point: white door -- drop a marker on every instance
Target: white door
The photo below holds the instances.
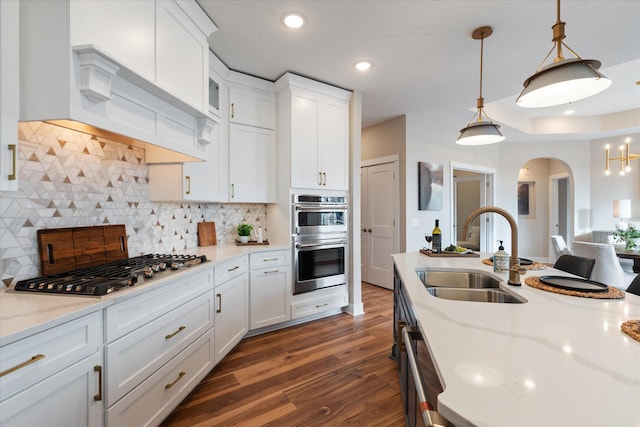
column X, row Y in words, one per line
column 364, row 235
column 379, row 218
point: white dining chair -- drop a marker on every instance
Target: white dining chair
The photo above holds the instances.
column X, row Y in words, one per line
column 559, row 247
column 607, row 268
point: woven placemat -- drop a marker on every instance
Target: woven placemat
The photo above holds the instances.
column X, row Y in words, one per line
column 535, row 266
column 631, row 328
column 612, row 293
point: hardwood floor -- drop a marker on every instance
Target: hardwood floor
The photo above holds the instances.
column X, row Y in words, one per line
column 331, row 372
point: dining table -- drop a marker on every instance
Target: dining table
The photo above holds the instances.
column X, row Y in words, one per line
column 632, row 254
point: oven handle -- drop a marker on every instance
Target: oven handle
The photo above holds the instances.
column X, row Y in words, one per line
column 323, row 208
column 318, row 245
column 430, row 417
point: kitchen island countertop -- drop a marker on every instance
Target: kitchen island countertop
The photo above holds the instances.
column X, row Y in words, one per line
column 23, row 313
column 555, row 360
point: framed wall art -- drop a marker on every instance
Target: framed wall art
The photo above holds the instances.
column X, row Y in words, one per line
column 527, row 200
column 430, row 186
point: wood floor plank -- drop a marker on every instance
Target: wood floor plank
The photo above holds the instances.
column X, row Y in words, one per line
column 330, row 372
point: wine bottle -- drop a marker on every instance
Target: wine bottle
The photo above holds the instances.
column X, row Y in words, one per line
column 437, row 238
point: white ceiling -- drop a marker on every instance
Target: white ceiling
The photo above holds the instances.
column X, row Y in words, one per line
column 425, row 61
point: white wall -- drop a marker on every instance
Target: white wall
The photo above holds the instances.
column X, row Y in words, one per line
column 532, row 230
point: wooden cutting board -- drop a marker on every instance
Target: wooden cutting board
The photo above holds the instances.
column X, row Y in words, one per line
column 207, row 234
column 66, row 249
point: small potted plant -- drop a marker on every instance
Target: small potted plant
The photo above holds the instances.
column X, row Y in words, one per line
column 244, row 231
column 629, row 234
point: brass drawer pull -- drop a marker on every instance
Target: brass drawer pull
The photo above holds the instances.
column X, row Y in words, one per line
column 234, row 268
column 22, row 365
column 180, row 375
column 269, row 259
column 272, row 272
column 13, row 148
column 219, row 296
column 98, row 369
column 180, row 329
column 188, row 184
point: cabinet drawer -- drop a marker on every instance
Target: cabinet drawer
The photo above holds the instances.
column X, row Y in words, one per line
column 139, row 354
column 269, row 259
column 154, row 399
column 229, row 269
column 129, row 315
column 321, row 304
column 65, row 399
column 60, row 346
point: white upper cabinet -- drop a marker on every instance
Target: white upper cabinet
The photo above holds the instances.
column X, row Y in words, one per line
column 313, row 128
column 133, row 68
column 252, row 107
column 191, row 181
column 252, row 158
column 9, row 94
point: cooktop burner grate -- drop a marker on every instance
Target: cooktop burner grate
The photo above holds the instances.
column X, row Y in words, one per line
column 108, row 278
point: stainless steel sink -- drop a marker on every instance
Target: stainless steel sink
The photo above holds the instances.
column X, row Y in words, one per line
column 476, row 295
column 457, row 279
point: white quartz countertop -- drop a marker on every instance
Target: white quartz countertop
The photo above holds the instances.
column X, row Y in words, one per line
column 555, row 360
column 23, row 313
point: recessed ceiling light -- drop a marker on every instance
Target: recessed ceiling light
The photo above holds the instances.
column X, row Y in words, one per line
column 569, row 112
column 293, row 20
column 362, row 65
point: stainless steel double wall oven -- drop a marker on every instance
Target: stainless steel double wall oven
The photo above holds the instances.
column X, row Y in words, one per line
column 319, row 241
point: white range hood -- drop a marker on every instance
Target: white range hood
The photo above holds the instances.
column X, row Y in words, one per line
column 68, row 77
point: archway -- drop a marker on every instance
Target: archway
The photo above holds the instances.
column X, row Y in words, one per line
column 545, row 205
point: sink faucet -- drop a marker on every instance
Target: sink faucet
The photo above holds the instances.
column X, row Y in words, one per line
column 514, row 266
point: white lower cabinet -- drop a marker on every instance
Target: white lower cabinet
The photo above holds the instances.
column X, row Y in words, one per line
column 71, row 397
column 314, row 303
column 142, row 352
column 270, row 288
column 58, row 368
column 159, row 346
column 231, row 305
column 155, row 398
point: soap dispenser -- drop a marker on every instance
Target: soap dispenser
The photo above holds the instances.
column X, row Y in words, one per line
column 500, row 259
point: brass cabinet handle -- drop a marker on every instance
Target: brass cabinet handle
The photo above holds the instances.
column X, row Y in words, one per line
column 322, row 305
column 188, row 185
column 180, row 329
column 98, row 370
column 269, row 259
column 180, row 375
column 22, row 365
column 272, row 271
column 233, row 110
column 234, row 268
column 319, row 178
column 324, row 178
column 233, row 191
column 13, row 149
column 219, row 296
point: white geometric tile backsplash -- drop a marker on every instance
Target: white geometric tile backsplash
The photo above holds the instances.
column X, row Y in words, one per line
column 72, row 179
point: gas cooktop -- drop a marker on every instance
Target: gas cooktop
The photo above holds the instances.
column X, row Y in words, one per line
column 108, row 278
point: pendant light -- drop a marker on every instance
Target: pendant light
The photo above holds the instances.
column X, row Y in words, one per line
column 482, row 131
column 564, row 80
